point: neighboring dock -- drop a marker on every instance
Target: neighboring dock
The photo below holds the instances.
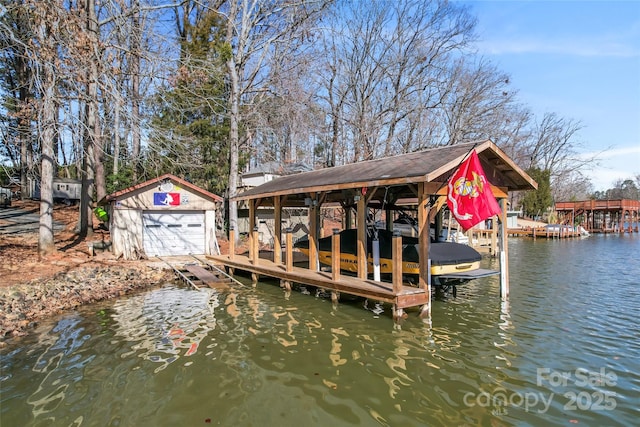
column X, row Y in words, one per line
column 602, row 216
column 546, row 232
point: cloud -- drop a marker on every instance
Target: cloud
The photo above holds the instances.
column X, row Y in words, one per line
column 614, row 152
column 580, row 48
column 614, row 164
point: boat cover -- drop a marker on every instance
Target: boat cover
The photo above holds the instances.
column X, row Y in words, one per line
column 440, row 253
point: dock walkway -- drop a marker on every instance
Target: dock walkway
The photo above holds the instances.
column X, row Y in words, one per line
column 200, row 273
column 542, row 232
column 207, row 277
column 408, row 296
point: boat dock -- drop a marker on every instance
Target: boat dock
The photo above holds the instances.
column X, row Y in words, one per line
column 545, row 232
column 404, row 296
column 360, row 191
column 602, row 216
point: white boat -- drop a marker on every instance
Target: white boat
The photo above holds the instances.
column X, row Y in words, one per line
column 453, row 236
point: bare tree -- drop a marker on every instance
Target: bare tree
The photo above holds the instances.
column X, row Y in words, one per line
column 253, row 27
column 573, row 186
column 17, row 78
column 552, row 141
column 135, row 58
column 47, row 24
column 478, row 101
column 385, row 72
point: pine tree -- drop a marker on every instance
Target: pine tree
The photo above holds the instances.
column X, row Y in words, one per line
column 537, row 202
column 190, row 125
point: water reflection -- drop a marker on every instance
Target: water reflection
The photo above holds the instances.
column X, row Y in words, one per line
column 165, row 325
column 62, row 357
column 177, row 356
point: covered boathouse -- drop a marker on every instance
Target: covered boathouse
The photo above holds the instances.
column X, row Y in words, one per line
column 418, row 179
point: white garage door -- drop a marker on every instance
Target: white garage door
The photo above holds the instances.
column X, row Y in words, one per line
column 173, row 233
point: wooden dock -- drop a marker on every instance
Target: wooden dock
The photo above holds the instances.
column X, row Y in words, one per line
column 406, row 297
column 201, row 274
column 209, row 278
column 602, row 216
column 542, row 232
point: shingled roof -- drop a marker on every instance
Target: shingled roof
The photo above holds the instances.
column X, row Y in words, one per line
column 156, row 181
column 433, row 165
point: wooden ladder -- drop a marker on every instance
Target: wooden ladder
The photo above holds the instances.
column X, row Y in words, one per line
column 201, row 277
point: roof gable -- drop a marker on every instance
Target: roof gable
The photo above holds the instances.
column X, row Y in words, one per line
column 433, row 165
column 157, row 181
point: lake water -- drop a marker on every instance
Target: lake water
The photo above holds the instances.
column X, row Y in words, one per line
column 565, row 350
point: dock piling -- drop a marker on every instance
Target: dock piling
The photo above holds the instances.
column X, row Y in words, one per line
column 335, row 255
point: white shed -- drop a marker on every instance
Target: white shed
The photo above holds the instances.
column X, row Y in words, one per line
column 164, row 216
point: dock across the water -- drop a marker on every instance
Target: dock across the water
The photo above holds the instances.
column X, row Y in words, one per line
column 557, row 232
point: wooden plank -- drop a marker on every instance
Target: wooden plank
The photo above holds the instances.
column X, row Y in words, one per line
column 207, row 277
column 408, row 296
column 412, row 300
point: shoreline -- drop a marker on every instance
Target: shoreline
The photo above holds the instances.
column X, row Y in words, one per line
column 23, row 305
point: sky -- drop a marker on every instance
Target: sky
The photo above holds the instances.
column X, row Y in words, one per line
column 579, row 59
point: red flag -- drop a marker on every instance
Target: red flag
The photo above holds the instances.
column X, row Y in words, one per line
column 469, row 197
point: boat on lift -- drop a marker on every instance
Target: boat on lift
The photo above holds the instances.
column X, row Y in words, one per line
column 452, row 263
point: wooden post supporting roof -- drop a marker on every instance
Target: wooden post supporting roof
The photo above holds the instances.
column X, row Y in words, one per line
column 277, row 232
column 313, row 232
column 362, row 238
column 504, row 273
column 253, row 244
column 289, row 251
column 424, row 280
column 396, row 259
column 423, row 236
column 335, row 255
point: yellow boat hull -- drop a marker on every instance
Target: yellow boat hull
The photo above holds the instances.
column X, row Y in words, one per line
column 349, row 262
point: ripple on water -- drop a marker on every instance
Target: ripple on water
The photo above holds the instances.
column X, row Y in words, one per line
column 176, row 356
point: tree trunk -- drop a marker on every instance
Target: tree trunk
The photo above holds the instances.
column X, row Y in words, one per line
column 25, row 146
column 234, row 137
column 85, row 192
column 135, row 89
column 233, row 147
column 116, row 131
column 45, row 237
column 93, row 115
column 47, row 116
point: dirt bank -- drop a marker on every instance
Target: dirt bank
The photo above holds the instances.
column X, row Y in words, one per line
column 33, row 287
column 23, row 305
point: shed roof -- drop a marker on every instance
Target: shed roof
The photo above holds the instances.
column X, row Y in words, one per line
column 433, row 165
column 156, row 181
column 277, row 168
